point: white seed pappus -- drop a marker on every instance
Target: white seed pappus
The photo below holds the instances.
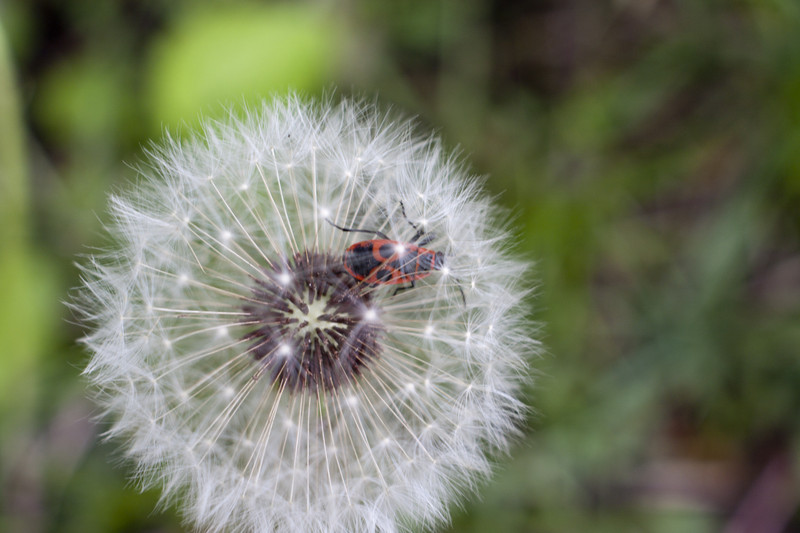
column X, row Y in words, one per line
column 251, row 378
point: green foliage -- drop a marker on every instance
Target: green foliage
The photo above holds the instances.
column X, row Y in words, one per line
column 83, row 100
column 27, row 310
column 224, row 55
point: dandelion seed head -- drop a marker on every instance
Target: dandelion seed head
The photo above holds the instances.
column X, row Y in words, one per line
column 253, row 378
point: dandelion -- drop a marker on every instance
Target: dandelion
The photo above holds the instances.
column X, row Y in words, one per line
column 260, row 383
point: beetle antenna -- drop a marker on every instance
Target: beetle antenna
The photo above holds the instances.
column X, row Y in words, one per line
column 420, row 232
column 358, row 230
column 403, row 209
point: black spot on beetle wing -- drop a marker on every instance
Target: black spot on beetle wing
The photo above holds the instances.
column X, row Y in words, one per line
column 387, row 250
column 360, row 260
column 383, row 275
column 407, row 264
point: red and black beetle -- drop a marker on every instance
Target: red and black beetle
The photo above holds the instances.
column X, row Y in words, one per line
column 385, row 261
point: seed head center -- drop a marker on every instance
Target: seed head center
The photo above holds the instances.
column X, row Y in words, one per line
column 309, row 326
column 314, row 318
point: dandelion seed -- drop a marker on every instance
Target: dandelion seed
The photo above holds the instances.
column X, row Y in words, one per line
column 256, row 380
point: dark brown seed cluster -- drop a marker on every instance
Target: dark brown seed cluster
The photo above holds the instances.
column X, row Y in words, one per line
column 315, row 327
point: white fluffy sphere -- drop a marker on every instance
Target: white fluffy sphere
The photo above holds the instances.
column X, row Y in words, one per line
column 254, row 376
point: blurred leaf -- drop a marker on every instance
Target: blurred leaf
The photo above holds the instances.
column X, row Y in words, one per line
column 92, row 503
column 27, row 318
column 219, row 56
column 26, row 278
column 83, row 101
column 13, row 191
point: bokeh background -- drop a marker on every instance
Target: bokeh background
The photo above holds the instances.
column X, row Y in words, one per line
column 650, row 153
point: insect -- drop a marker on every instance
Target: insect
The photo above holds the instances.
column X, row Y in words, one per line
column 385, row 261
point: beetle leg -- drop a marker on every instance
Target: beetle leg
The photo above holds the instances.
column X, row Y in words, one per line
column 404, row 288
column 416, row 236
column 463, row 298
column 426, row 240
column 458, row 286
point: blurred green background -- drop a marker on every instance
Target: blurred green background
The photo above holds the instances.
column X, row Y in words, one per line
column 650, row 150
